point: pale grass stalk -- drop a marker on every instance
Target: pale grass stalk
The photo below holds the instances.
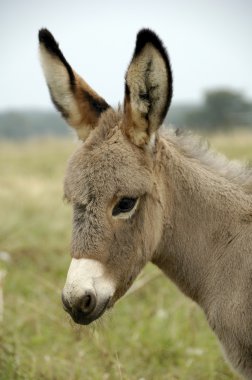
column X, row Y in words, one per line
column 2, row 275
column 139, row 284
column 118, row 365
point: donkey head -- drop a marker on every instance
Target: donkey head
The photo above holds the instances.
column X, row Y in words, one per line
column 112, row 179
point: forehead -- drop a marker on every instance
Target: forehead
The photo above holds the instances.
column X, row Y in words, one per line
column 106, row 167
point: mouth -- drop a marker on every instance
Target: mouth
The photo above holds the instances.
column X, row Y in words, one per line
column 82, row 319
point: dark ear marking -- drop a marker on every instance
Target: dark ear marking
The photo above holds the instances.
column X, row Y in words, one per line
column 144, row 96
column 127, row 90
column 98, row 105
column 145, row 36
column 47, row 39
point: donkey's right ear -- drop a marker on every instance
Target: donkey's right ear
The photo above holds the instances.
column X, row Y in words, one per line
column 80, row 105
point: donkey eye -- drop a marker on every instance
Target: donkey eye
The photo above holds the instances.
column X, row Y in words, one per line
column 124, row 205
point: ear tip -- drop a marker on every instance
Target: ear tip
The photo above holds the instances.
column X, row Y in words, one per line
column 46, row 38
column 148, row 36
column 146, row 33
column 145, row 36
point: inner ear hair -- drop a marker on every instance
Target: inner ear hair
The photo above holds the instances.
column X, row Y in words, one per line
column 148, row 88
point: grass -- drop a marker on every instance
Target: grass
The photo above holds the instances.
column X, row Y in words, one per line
column 153, row 333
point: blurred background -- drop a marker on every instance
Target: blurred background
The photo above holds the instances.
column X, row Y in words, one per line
column 155, row 332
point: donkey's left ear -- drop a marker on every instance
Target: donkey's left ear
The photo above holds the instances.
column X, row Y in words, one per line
column 78, row 103
column 148, row 88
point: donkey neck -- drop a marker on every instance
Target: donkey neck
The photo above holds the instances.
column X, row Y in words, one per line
column 203, row 213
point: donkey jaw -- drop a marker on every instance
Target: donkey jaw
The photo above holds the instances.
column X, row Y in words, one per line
column 88, row 291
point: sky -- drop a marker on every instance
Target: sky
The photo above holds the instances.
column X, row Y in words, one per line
column 209, row 44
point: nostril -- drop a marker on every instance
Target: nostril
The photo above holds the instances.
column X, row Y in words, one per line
column 82, row 306
column 88, row 302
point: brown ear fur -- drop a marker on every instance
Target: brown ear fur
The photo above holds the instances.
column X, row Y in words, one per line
column 148, row 88
column 80, row 105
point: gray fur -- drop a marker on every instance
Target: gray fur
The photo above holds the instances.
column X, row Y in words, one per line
column 193, row 219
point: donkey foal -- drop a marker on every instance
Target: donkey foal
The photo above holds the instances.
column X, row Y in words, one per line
column 139, row 195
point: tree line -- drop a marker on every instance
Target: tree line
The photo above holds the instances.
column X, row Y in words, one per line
column 220, row 109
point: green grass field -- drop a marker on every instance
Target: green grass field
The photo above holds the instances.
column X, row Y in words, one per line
column 153, row 333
